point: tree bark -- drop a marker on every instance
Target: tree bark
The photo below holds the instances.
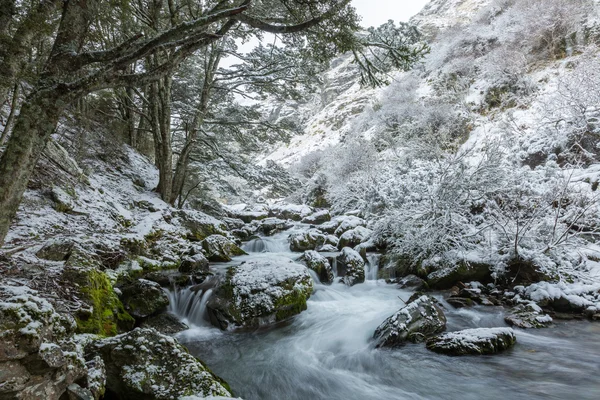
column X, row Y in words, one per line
column 37, row 120
column 11, row 115
column 160, row 111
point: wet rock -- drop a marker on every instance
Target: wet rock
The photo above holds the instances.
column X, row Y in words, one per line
column 193, row 264
column 144, row 298
column 460, row 302
column 352, row 266
column 412, row 282
column 317, row 218
column 200, row 225
column 527, row 316
column 310, row 240
column 473, row 341
column 58, row 249
column 355, row 237
column 448, row 276
column 270, row 226
column 320, row 265
column 146, row 365
column 166, row 324
column 415, row 322
column 76, row 392
column 233, row 223
column 219, row 249
column 259, row 293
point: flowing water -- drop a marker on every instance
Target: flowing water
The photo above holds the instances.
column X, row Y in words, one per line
column 326, row 352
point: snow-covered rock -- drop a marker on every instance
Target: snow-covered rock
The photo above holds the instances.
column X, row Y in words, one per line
column 319, row 264
column 473, row 341
column 352, row 266
column 415, row 322
column 295, row 212
column 348, row 222
column 144, row 364
column 270, row 226
column 527, row 316
column 144, row 298
column 317, row 218
column 219, row 248
column 260, row 292
column 355, row 237
column 312, row 239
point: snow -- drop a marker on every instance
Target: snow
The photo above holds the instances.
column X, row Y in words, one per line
column 473, row 337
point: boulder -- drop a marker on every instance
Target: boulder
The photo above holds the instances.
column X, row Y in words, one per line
column 412, row 282
column 295, row 212
column 310, row 240
column 63, row 201
column 448, row 276
column 193, row 264
column 102, row 312
column 352, row 266
column 38, row 357
column 144, row 298
column 58, row 155
column 415, row 322
column 317, row 218
column 146, row 365
column 347, row 223
column 200, row 225
column 320, row 265
column 220, row 249
column 259, row 293
column 327, row 248
column 331, row 226
column 355, row 237
column 58, row 249
column 473, row 341
column 269, row 226
column 527, row 316
column 165, row 323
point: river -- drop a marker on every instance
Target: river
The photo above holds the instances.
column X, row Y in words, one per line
column 326, row 352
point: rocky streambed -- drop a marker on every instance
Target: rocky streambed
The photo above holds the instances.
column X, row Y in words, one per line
column 334, row 348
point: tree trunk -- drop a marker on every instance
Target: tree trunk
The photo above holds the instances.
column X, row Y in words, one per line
column 11, row 115
column 160, row 111
column 37, row 120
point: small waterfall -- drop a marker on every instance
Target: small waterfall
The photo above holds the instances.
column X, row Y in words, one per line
column 314, row 276
column 267, row 245
column 372, row 267
column 334, row 267
column 189, row 304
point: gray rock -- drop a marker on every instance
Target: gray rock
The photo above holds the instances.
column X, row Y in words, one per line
column 415, row 322
column 259, row 293
column 317, row 218
column 448, row 276
column 528, row 316
column 310, row 240
column 144, row 298
column 473, row 341
column 146, row 365
column 355, row 237
column 58, row 155
column 352, row 266
column 269, row 226
column 56, row 249
column 320, row 265
column 166, row 324
column 193, row 264
column 220, row 249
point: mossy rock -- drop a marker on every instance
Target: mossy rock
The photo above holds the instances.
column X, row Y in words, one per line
column 146, row 365
column 320, row 265
column 473, row 341
column 144, row 298
column 106, row 315
column 220, row 249
column 260, row 293
column 448, row 276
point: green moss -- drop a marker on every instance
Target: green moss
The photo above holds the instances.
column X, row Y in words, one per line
column 290, row 305
column 108, row 315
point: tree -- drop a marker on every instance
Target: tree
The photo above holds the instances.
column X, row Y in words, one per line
column 79, row 63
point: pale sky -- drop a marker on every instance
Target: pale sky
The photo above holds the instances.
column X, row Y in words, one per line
column 376, row 12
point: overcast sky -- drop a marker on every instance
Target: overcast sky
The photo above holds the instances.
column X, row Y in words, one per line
column 376, row 12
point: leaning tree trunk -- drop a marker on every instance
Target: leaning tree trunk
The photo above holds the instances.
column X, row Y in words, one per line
column 160, row 111
column 37, row 120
